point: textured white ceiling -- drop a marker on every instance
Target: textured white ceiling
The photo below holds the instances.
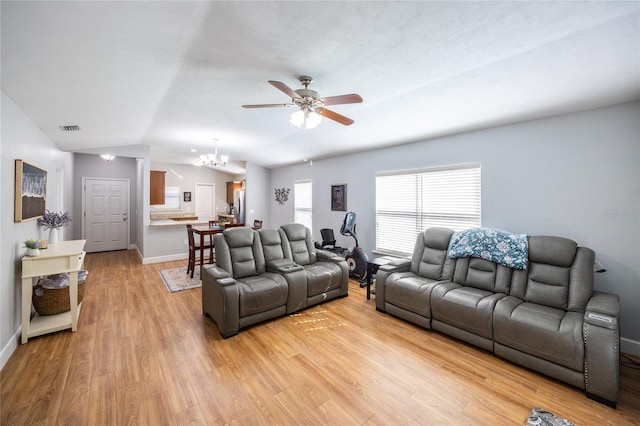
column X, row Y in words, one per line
column 172, row 75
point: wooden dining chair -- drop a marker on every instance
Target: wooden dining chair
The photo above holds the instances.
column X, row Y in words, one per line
column 194, row 250
column 233, row 225
column 213, row 223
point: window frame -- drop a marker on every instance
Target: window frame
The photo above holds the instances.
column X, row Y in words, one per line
column 303, row 209
column 454, row 206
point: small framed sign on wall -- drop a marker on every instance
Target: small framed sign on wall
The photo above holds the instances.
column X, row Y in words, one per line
column 187, row 197
column 339, row 197
column 31, row 191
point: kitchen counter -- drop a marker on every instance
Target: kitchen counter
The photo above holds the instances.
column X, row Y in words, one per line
column 170, row 223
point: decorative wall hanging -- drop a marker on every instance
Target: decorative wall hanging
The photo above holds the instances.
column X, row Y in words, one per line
column 282, row 195
column 187, row 197
column 31, row 191
column 339, row 197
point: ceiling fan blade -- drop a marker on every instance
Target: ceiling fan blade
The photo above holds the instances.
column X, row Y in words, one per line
column 267, row 105
column 285, row 89
column 331, row 115
column 342, row 99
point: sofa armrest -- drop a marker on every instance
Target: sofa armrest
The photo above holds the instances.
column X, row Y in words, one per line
column 327, row 255
column 215, row 272
column 220, row 299
column 602, row 348
column 603, row 310
column 398, row 265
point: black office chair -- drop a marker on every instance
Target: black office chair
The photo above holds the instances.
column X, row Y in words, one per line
column 329, row 241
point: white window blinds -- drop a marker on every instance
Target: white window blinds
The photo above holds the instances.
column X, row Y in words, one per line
column 410, row 202
column 302, row 201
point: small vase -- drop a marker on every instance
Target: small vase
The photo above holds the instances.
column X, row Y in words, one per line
column 53, row 235
column 33, row 252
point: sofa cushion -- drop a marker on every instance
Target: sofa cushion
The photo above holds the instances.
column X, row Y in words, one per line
column 541, row 331
column 245, row 252
column 300, row 243
column 322, row 277
column 482, row 274
column 559, row 275
column 429, row 258
column 411, row 292
column 271, row 244
column 552, row 250
column 548, row 285
column 260, row 293
column 466, row 308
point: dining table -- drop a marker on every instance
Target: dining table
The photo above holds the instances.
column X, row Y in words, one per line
column 203, row 232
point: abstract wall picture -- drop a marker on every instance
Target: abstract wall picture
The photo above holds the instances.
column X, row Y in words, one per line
column 339, row 197
column 282, row 195
column 31, row 191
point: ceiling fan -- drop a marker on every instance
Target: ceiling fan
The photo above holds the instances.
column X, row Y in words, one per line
column 312, row 107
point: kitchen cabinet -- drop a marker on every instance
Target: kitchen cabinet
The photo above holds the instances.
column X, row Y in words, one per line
column 231, row 188
column 157, row 187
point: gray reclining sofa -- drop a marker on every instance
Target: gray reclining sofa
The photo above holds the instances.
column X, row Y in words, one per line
column 545, row 317
column 261, row 275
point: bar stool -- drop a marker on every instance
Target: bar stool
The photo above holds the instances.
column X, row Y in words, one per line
column 194, row 250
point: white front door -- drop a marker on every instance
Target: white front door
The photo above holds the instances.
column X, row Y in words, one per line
column 205, row 200
column 106, row 214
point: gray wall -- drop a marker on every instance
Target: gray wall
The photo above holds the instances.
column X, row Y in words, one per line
column 258, row 190
column 575, row 176
column 22, row 139
column 93, row 166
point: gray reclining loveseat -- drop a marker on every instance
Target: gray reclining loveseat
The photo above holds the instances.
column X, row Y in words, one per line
column 545, row 317
column 256, row 277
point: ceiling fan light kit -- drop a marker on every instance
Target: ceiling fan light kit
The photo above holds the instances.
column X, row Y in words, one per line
column 312, row 107
column 305, row 119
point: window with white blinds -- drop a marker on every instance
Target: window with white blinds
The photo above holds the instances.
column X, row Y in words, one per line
column 171, row 198
column 410, row 202
column 302, row 203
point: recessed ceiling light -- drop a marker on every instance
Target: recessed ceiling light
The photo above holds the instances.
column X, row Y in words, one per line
column 193, row 150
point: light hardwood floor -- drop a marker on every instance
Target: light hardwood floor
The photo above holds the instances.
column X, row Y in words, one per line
column 144, row 356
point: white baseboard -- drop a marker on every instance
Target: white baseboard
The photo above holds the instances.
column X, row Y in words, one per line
column 158, row 259
column 10, row 347
column 629, row 346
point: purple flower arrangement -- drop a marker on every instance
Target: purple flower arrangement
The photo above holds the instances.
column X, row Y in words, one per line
column 55, row 220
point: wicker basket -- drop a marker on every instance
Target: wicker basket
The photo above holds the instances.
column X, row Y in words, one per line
column 48, row 301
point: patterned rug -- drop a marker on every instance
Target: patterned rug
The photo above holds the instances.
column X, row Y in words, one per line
column 540, row 417
column 176, row 279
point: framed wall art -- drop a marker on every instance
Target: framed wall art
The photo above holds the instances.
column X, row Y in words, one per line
column 31, row 191
column 187, row 197
column 339, row 197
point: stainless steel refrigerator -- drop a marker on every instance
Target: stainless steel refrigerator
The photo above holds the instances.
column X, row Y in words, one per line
column 239, row 206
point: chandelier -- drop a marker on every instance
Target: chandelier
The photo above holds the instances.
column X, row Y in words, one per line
column 212, row 160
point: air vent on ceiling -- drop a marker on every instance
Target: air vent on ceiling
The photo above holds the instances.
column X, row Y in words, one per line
column 72, row 128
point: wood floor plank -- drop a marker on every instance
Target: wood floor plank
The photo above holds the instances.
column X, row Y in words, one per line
column 145, row 356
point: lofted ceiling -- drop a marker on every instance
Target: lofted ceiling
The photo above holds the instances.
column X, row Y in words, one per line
column 173, row 75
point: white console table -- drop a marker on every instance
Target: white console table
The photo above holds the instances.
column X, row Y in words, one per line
column 64, row 256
